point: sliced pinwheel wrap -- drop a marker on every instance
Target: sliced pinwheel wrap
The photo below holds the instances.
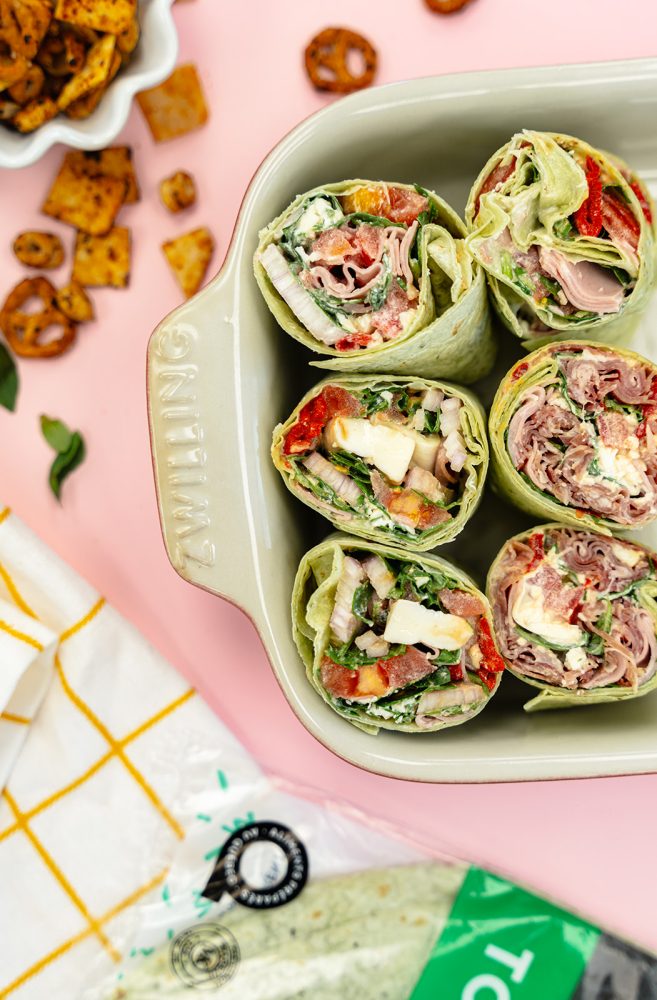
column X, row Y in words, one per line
column 375, row 277
column 392, row 640
column 573, row 432
column 395, row 460
column 565, row 239
column 575, row 615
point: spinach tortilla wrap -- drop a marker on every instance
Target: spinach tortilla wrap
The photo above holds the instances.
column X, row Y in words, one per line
column 390, row 459
column 576, row 615
column 567, row 246
column 573, row 432
column 391, row 640
column 375, row 277
column 364, row 936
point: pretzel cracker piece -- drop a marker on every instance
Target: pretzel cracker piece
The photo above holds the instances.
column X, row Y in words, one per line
column 29, row 334
column 103, row 261
column 329, row 60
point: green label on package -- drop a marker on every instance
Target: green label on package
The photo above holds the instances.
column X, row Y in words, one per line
column 502, row 943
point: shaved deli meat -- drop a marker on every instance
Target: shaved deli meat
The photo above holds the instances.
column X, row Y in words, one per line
column 580, row 436
column 368, row 453
column 409, row 644
column 577, row 621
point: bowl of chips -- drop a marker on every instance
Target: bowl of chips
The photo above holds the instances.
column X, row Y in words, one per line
column 69, row 70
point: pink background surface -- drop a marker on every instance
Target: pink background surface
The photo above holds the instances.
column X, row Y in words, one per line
column 588, row 843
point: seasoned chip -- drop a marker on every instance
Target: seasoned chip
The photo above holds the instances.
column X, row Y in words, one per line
column 177, row 106
column 62, row 53
column 7, row 109
column 29, row 88
column 35, row 114
column 189, row 257
column 23, row 24
column 29, row 334
column 74, row 302
column 93, row 74
column 115, row 161
column 88, row 203
column 178, row 191
column 84, row 106
column 35, row 249
column 128, row 40
column 113, row 16
column 103, row 260
column 12, row 67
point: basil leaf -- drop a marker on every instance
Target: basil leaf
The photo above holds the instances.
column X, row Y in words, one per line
column 70, row 449
column 360, row 601
column 8, row 379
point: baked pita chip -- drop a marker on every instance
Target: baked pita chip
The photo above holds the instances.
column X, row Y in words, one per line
column 112, row 16
column 35, row 114
column 91, row 204
column 12, row 68
column 102, row 261
column 23, row 25
column 93, row 74
column 115, row 161
column 84, row 106
column 176, row 106
column 189, row 257
column 29, row 88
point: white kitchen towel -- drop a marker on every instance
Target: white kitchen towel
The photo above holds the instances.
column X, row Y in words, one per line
column 104, row 754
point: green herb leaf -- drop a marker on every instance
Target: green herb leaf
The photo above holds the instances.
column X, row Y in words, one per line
column 552, row 286
column 564, row 229
column 431, row 421
column 451, row 656
column 70, row 449
column 350, row 656
column 596, row 642
column 360, row 601
column 8, row 379
column 373, row 401
column 539, row 640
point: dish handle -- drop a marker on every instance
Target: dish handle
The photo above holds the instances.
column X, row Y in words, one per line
column 191, row 408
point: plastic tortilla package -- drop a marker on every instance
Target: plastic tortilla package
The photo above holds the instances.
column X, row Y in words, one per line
column 375, row 277
column 576, row 615
column 565, row 234
column 394, row 460
column 573, row 436
column 391, row 640
column 278, row 896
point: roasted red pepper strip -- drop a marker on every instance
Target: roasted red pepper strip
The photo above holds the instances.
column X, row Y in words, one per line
column 308, row 427
column 492, row 662
column 535, row 542
column 649, row 410
column 455, row 672
column 352, row 341
column 588, row 217
column 488, row 677
column 643, row 201
column 519, row 371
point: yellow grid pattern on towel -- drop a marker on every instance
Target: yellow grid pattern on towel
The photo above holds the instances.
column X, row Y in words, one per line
column 116, row 750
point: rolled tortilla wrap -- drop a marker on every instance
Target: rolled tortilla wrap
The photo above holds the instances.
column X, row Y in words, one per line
column 391, row 640
column 576, row 615
column 563, row 238
column 375, row 277
column 573, row 431
column 395, row 460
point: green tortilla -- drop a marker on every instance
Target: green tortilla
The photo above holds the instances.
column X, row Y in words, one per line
column 449, row 337
column 313, row 598
column 535, row 204
column 473, row 430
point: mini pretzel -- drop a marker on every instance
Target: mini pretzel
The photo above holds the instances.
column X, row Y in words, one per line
column 327, row 60
column 24, row 331
column 446, row 6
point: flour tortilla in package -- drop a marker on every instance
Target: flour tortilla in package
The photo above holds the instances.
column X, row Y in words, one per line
column 565, row 233
column 395, row 460
column 278, row 896
column 375, row 277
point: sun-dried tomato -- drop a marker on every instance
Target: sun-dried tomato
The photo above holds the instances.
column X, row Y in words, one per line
column 643, row 201
column 588, row 217
column 519, row 371
column 455, row 672
column 492, row 662
column 649, row 410
column 619, row 220
column 304, row 434
column 535, row 542
column 352, row 341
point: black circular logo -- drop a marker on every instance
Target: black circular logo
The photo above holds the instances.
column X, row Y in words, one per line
column 205, row 956
column 227, row 878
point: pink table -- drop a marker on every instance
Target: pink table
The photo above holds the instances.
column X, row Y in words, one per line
column 588, row 843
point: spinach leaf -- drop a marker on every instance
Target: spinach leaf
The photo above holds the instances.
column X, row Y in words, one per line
column 360, row 601
column 596, row 642
column 318, row 487
column 431, row 421
column 378, row 295
column 552, row 286
column 539, row 640
column 358, row 469
column 70, row 449
column 622, row 275
column 451, row 656
column 424, row 584
column 373, row 401
column 625, row 408
column 438, row 679
column 8, row 379
column 515, row 273
column 372, row 220
column 350, row 656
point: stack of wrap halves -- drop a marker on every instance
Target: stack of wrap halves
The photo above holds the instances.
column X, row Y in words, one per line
column 390, row 289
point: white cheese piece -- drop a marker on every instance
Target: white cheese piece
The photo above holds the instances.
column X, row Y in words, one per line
column 320, row 214
column 576, row 659
column 384, row 446
column 628, row 556
column 621, row 467
column 529, row 612
column 410, row 622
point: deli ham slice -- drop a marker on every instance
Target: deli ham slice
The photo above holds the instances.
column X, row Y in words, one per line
column 586, row 285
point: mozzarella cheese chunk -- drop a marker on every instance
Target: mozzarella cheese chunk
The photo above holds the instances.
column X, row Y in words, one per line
column 621, row 467
column 626, row 555
column 381, row 445
column 410, row 622
column 425, row 446
column 530, row 613
column 576, row 659
column 320, row 214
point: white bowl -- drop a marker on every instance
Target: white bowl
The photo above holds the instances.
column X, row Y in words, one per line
column 152, row 62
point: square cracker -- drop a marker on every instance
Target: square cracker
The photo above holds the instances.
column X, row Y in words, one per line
column 91, row 204
column 101, row 261
column 112, row 16
column 176, row 106
column 189, row 257
column 115, row 161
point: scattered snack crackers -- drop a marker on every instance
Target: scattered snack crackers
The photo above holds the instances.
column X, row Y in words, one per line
column 189, row 257
column 330, row 57
column 42, row 250
column 176, row 106
column 178, row 191
column 61, row 57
